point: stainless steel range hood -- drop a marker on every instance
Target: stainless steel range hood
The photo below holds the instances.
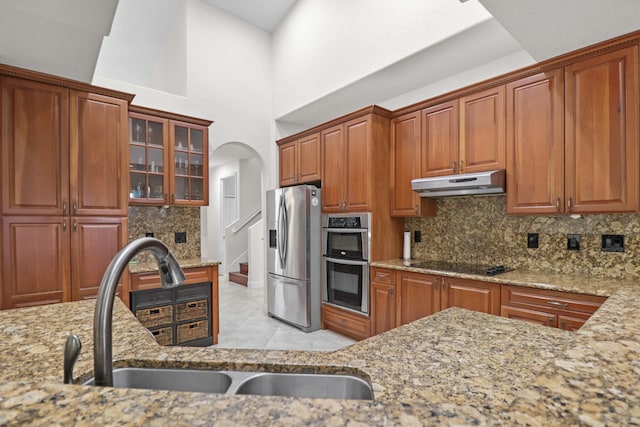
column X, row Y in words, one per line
column 469, row 184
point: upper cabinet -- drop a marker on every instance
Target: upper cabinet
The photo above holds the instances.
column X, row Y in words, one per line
column 168, row 158
column 464, row 135
column 300, row 160
column 405, row 166
column 482, row 131
column 573, row 137
column 353, row 153
column 601, row 133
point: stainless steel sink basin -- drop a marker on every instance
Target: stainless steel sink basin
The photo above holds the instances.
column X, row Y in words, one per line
column 238, row 382
column 195, row 380
column 306, row 385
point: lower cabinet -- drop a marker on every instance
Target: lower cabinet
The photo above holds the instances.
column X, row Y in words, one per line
column 345, row 322
column 186, row 315
column 399, row 297
column 562, row 310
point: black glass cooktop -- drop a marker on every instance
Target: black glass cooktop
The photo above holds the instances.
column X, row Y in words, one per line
column 459, row 267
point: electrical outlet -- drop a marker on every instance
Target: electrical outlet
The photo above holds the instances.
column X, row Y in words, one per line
column 181, row 237
column 148, row 234
column 417, row 236
column 532, row 240
column 612, row 243
column 573, row 242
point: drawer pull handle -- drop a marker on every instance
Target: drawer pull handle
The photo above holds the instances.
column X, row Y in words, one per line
column 192, row 305
column 155, row 311
column 557, row 303
column 155, row 333
column 550, row 321
column 381, row 275
column 193, row 326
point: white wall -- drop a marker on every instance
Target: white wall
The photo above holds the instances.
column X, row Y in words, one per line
column 249, row 187
column 211, row 220
column 322, row 46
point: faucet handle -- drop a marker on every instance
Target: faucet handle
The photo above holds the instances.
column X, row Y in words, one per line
column 71, row 352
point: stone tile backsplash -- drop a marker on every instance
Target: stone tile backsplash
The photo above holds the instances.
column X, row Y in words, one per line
column 478, row 230
column 164, row 223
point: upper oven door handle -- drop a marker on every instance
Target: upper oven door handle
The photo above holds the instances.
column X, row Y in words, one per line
column 345, row 261
column 345, row 230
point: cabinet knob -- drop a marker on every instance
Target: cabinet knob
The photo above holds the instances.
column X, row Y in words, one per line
column 64, row 225
column 549, row 321
column 173, row 197
column 444, row 285
column 453, row 166
column 461, row 165
column 558, row 204
column 64, row 207
column 391, row 294
column 75, row 225
column 569, row 202
column 75, row 207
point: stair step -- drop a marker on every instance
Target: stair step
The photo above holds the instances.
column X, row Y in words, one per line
column 244, row 267
column 239, row 278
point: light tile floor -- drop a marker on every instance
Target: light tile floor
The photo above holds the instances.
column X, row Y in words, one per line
column 245, row 324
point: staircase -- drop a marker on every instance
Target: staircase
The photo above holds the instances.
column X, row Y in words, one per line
column 240, row 277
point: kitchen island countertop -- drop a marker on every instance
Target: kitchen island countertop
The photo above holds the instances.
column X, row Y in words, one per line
column 453, row 368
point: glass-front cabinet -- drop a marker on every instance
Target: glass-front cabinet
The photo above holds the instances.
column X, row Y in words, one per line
column 168, row 162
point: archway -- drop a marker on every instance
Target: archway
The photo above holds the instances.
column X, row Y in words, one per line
column 236, row 187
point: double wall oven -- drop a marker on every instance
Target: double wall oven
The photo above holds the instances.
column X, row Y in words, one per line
column 346, row 243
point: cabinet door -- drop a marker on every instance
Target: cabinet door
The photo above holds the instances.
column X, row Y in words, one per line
column 358, row 164
column 189, row 164
column 333, row 169
column 531, row 316
column 383, row 304
column 601, row 133
column 535, row 144
column 35, row 148
column 94, row 243
column 148, row 160
column 482, row 131
column 440, row 139
column 35, row 261
column 419, row 296
column 405, row 164
column 288, row 156
column 309, row 159
column 471, row 294
column 99, row 159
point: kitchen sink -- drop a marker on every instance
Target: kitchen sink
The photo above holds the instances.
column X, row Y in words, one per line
column 306, row 385
column 195, row 380
column 239, row 382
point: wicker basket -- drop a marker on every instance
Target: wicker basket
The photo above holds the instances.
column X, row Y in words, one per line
column 164, row 336
column 192, row 310
column 155, row 316
column 193, row 331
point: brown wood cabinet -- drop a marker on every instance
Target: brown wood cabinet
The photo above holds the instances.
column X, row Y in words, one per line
column 64, row 192
column 547, row 307
column 300, row 160
column 440, row 139
column 169, row 161
column 345, row 322
column 400, row 297
column 464, row 135
column 601, row 133
column 151, row 280
column 405, row 166
column 473, row 295
column 575, row 153
column 482, row 131
column 535, row 149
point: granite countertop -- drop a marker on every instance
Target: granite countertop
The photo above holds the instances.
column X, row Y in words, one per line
column 577, row 283
column 454, row 368
column 146, row 267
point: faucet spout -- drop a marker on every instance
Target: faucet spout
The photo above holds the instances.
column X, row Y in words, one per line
column 171, row 275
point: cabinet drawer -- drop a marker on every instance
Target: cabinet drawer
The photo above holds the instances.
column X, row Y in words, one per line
column 151, row 297
column 382, row 275
column 192, row 310
column 151, row 279
column 550, row 300
column 346, row 323
column 155, row 316
column 192, row 331
column 193, row 292
column 163, row 336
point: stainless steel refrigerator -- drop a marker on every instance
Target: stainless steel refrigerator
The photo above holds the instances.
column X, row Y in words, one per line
column 294, row 255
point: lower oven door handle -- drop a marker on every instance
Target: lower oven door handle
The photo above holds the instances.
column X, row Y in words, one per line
column 345, row 230
column 345, row 261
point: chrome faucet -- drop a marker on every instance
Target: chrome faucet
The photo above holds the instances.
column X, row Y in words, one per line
column 171, row 275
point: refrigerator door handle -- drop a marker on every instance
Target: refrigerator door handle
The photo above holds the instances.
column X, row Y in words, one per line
column 282, row 231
